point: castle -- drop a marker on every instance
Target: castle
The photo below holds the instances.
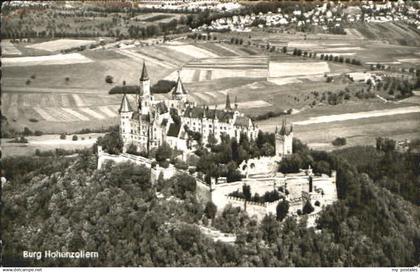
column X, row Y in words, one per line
column 181, row 123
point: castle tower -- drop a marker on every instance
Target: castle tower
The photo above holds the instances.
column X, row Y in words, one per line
column 126, row 113
column 145, row 95
column 284, row 140
column 227, row 106
column 179, row 92
column 144, row 81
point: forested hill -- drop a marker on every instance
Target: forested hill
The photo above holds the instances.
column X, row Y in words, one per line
column 64, row 204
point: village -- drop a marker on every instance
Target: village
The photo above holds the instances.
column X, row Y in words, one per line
column 330, row 15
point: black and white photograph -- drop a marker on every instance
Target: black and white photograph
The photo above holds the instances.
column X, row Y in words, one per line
column 210, row 134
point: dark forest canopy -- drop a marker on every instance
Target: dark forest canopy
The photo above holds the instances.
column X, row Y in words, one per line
column 115, row 211
column 162, row 86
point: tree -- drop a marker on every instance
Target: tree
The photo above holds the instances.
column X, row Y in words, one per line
column 109, row 79
column 235, row 151
column 246, row 189
column 132, row 149
column 75, row 138
column 385, row 144
column 27, row 132
column 212, row 141
column 270, row 228
column 308, row 208
column 282, row 209
column 62, row 136
column 111, row 142
column 183, row 183
column 339, row 141
column 210, row 210
column 163, row 152
column 267, row 149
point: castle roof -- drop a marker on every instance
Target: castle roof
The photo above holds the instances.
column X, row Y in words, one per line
column 173, row 130
column 242, row 121
column 125, row 105
column 283, row 130
column 228, row 107
column 144, row 74
column 136, row 115
column 179, row 87
column 200, row 112
column 161, row 107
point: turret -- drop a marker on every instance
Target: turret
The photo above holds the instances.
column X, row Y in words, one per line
column 144, row 82
column 284, row 140
column 126, row 113
column 145, row 96
column 236, row 102
column 179, row 92
column 227, row 106
column 125, row 106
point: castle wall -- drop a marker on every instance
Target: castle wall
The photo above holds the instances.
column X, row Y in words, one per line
column 203, row 192
column 103, row 157
column 324, row 191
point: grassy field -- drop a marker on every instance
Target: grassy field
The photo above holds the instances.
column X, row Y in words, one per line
column 46, row 143
column 60, row 44
column 360, row 132
column 357, row 131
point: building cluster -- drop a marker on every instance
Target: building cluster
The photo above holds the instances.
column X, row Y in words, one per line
column 190, row 5
column 298, row 189
column 178, row 121
column 326, row 15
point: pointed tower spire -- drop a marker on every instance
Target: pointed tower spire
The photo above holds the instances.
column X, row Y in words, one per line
column 283, row 128
column 228, row 107
column 125, row 105
column 179, row 92
column 236, row 102
column 144, row 74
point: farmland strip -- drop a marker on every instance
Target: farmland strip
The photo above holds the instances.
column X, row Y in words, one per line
column 93, row 113
column 6, row 101
column 196, row 76
column 358, row 115
column 108, row 111
column 212, row 94
column 252, row 104
column 76, row 114
column 140, row 57
column 60, row 115
column 45, row 114
column 78, row 100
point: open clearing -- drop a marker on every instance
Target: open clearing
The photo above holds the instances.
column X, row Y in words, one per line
column 60, row 44
column 413, row 61
column 358, row 115
column 193, row 51
column 285, row 69
column 47, row 142
column 8, row 48
column 59, row 59
column 361, row 131
column 250, row 104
